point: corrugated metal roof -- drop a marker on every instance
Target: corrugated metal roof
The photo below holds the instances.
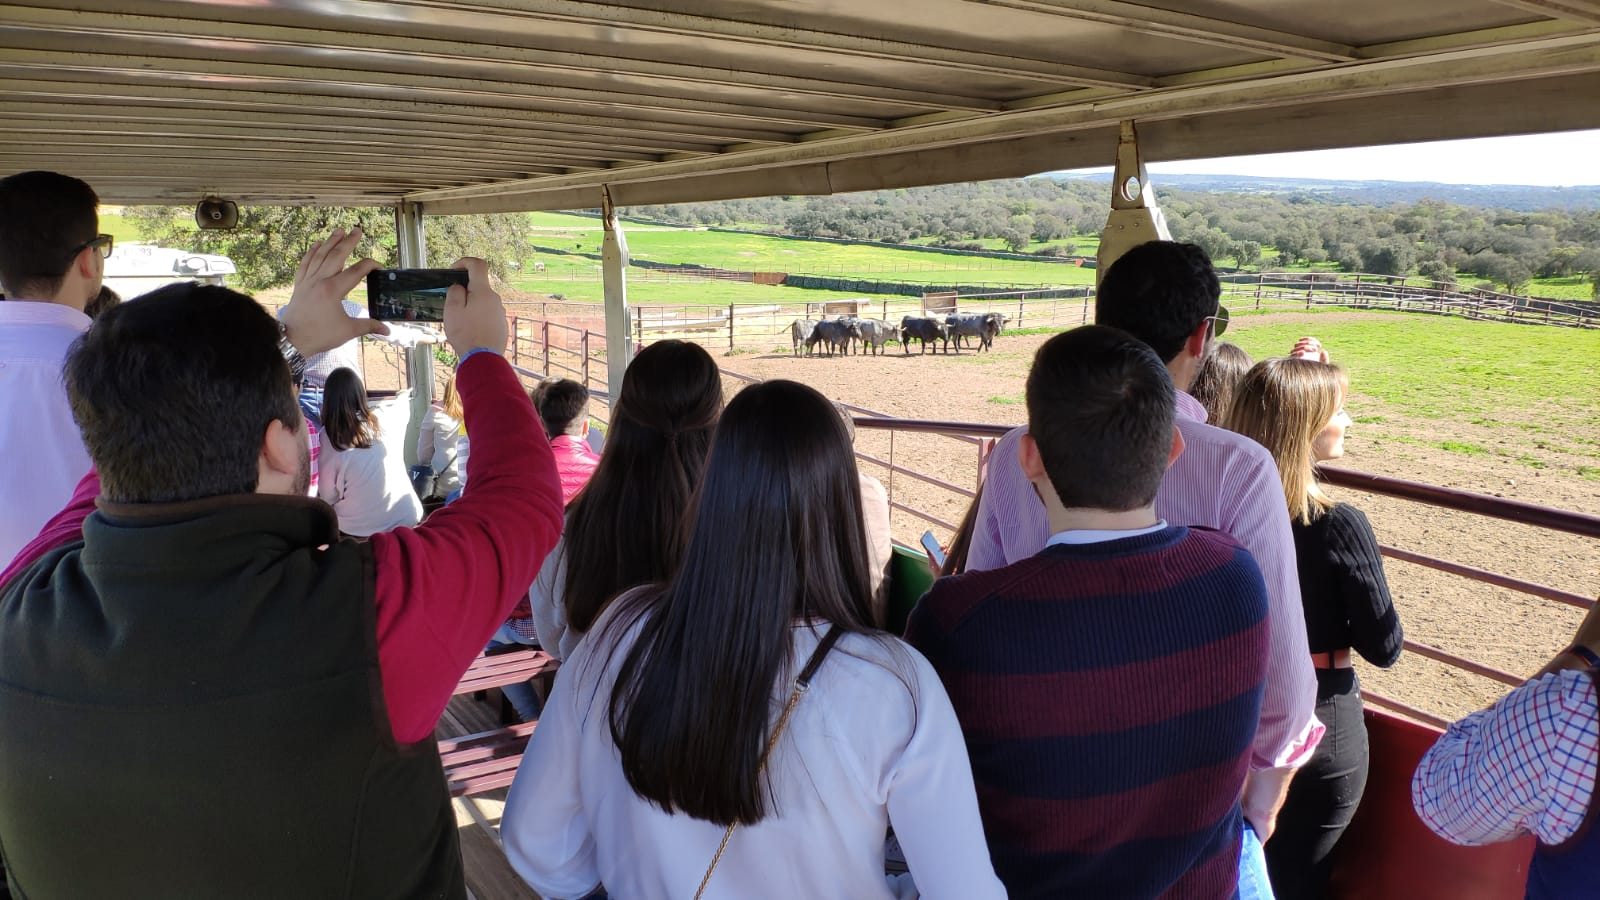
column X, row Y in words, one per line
column 533, row 104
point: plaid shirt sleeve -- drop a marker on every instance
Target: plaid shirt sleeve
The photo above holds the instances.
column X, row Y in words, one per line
column 1525, row 765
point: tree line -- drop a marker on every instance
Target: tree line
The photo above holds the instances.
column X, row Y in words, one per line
column 1428, row 238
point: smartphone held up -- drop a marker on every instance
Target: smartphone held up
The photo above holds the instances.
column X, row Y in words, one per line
column 410, row 295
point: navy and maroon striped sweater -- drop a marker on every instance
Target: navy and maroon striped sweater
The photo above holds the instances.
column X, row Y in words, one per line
column 1109, row 694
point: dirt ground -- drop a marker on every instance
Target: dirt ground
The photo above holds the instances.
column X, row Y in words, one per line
column 1500, row 628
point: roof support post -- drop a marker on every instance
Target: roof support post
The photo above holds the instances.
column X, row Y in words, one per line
column 614, row 264
column 1135, row 218
column 413, row 248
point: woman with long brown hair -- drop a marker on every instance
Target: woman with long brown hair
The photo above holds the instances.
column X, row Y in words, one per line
column 625, row 528
column 742, row 729
column 359, row 474
column 1295, row 408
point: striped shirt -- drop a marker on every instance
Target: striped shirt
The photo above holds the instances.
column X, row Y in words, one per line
column 1223, row 481
column 1525, row 765
column 1109, row 694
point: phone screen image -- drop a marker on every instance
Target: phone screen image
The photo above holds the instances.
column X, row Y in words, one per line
column 410, row 295
column 931, row 545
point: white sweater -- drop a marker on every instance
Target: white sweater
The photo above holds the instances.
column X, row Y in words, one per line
column 369, row 488
column 874, row 742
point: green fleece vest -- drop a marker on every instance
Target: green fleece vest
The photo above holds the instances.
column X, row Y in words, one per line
column 191, row 707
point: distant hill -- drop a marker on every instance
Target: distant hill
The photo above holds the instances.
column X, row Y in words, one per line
column 1519, row 197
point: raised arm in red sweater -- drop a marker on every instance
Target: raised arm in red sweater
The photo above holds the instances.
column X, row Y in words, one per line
column 443, row 587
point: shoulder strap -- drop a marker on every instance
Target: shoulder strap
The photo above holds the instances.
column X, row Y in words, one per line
column 801, row 685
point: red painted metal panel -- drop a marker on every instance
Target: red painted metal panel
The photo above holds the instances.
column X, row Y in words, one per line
column 1388, row 854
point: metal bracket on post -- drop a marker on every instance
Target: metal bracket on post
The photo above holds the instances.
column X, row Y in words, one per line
column 1135, row 218
column 413, row 247
column 614, row 264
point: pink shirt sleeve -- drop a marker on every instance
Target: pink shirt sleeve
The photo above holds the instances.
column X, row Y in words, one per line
column 64, row 528
column 445, row 586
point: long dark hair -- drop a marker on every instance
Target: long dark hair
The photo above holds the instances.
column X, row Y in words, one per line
column 626, row 527
column 346, row 420
column 776, row 537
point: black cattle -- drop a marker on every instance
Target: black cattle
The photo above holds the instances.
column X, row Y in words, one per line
column 875, row 333
column 835, row 335
column 983, row 326
column 924, row 330
column 800, row 331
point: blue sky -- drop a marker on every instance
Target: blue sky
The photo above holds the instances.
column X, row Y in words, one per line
column 1563, row 158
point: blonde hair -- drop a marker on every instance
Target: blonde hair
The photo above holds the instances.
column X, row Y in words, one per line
column 1283, row 404
column 452, row 400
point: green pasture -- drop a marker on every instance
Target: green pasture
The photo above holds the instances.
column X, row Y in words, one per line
column 1459, row 385
column 761, row 253
column 690, row 291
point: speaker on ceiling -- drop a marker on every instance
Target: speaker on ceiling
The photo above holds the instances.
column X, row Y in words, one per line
column 216, row 214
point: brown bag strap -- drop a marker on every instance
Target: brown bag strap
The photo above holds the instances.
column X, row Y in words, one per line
column 801, row 685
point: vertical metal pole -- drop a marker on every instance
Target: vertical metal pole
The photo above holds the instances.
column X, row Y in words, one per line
column 413, row 249
column 544, row 342
column 585, row 349
column 614, row 262
column 730, row 327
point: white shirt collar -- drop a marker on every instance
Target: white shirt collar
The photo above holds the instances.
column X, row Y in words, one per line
column 1100, row 536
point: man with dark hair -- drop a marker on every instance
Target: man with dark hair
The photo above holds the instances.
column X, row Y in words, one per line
column 563, row 406
column 206, row 691
column 1108, row 686
column 1166, row 294
column 52, row 259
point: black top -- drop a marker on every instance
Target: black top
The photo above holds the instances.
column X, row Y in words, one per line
column 193, row 708
column 1342, row 587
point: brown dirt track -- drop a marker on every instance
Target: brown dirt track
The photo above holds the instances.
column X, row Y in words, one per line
column 1500, row 628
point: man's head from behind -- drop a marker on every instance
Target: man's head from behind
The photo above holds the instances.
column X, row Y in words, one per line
column 1100, row 413
column 1162, row 293
column 563, row 406
column 184, row 395
column 47, row 225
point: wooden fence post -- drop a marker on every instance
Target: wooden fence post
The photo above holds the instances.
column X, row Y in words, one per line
column 1019, row 309
column 730, row 327
column 544, row 340
column 516, row 343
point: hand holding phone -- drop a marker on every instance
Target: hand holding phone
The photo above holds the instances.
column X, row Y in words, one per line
column 930, row 546
column 410, row 295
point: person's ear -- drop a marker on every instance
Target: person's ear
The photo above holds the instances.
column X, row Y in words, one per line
column 1028, row 455
column 1195, row 343
column 1177, row 447
column 279, row 464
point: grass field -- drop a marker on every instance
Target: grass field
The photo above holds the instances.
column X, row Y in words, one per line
column 1459, row 385
column 646, row 291
column 760, row 253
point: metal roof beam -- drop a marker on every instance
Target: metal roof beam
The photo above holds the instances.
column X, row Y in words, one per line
column 31, row 26
column 373, row 160
column 1586, row 12
column 281, row 140
column 1188, row 27
column 405, row 87
column 387, row 126
column 1534, row 59
column 223, row 94
column 685, row 25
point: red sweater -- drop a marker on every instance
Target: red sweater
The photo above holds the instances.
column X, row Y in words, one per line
column 445, row 586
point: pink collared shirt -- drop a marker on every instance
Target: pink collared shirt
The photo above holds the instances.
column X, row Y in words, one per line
column 1223, row 481
column 575, row 462
column 39, row 440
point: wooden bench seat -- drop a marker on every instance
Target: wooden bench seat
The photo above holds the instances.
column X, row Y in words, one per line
column 484, row 761
column 502, row 669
